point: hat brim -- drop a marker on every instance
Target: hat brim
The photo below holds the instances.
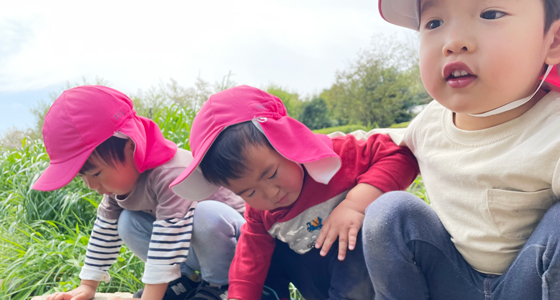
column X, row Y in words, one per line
column 190, row 184
column 405, row 13
column 298, row 143
column 59, row 175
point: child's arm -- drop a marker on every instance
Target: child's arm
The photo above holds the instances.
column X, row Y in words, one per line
column 346, row 220
column 251, row 262
column 378, row 166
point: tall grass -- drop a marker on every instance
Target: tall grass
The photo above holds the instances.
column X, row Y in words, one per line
column 43, row 235
column 175, row 123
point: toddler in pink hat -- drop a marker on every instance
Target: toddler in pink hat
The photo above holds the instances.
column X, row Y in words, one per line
column 94, row 133
column 306, row 194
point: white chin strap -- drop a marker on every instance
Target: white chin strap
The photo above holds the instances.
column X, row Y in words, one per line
column 514, row 104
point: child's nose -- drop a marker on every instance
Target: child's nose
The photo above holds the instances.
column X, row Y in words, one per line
column 91, row 183
column 271, row 192
column 458, row 41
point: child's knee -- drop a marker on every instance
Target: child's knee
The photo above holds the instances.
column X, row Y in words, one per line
column 134, row 223
column 213, row 217
column 551, row 218
column 554, row 211
column 390, row 210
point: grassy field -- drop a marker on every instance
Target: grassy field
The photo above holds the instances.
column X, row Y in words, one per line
column 43, row 235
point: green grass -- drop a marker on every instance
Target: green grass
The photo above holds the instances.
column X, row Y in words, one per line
column 175, row 124
column 43, row 235
column 344, row 129
column 46, row 257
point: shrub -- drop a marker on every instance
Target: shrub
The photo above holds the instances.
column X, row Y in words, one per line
column 345, row 129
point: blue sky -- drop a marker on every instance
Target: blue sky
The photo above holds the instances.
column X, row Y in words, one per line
column 135, row 45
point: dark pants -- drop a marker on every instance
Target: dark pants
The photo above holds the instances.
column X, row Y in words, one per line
column 410, row 256
column 318, row 277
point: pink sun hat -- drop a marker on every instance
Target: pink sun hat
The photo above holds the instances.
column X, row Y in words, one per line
column 405, row 13
column 84, row 117
column 289, row 137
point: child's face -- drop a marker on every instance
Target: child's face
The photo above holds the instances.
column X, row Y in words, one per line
column 270, row 181
column 118, row 179
column 478, row 55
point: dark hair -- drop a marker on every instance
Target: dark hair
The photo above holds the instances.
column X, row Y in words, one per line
column 225, row 159
column 111, row 151
column 551, row 12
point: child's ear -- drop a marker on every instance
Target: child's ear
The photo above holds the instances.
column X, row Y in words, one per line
column 129, row 147
column 553, row 57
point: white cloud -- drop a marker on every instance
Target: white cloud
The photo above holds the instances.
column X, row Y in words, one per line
column 136, row 44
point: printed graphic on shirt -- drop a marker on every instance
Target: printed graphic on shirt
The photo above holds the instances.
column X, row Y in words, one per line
column 317, row 223
column 301, row 232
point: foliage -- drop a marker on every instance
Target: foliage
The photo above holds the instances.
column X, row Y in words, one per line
column 46, row 257
column 20, row 168
column 291, row 100
column 175, row 123
column 400, row 125
column 147, row 103
column 13, row 137
column 417, row 188
column 315, row 114
column 379, row 87
column 345, row 129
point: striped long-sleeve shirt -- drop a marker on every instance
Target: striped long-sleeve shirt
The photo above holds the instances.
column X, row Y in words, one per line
column 172, row 230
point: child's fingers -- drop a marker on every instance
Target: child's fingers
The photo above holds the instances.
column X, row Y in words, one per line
column 342, row 245
column 58, row 296
column 329, row 240
column 322, row 236
column 352, row 237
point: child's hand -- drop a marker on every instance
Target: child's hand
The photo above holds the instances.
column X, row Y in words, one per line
column 83, row 292
column 343, row 223
column 346, row 220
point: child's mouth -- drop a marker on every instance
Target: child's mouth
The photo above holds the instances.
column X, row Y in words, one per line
column 458, row 75
column 283, row 199
column 460, row 79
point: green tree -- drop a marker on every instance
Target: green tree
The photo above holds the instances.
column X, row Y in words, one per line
column 291, row 100
column 316, row 115
column 380, row 87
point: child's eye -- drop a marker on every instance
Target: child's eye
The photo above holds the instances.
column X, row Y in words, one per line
column 433, row 24
column 273, row 175
column 96, row 174
column 251, row 194
column 492, row 14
